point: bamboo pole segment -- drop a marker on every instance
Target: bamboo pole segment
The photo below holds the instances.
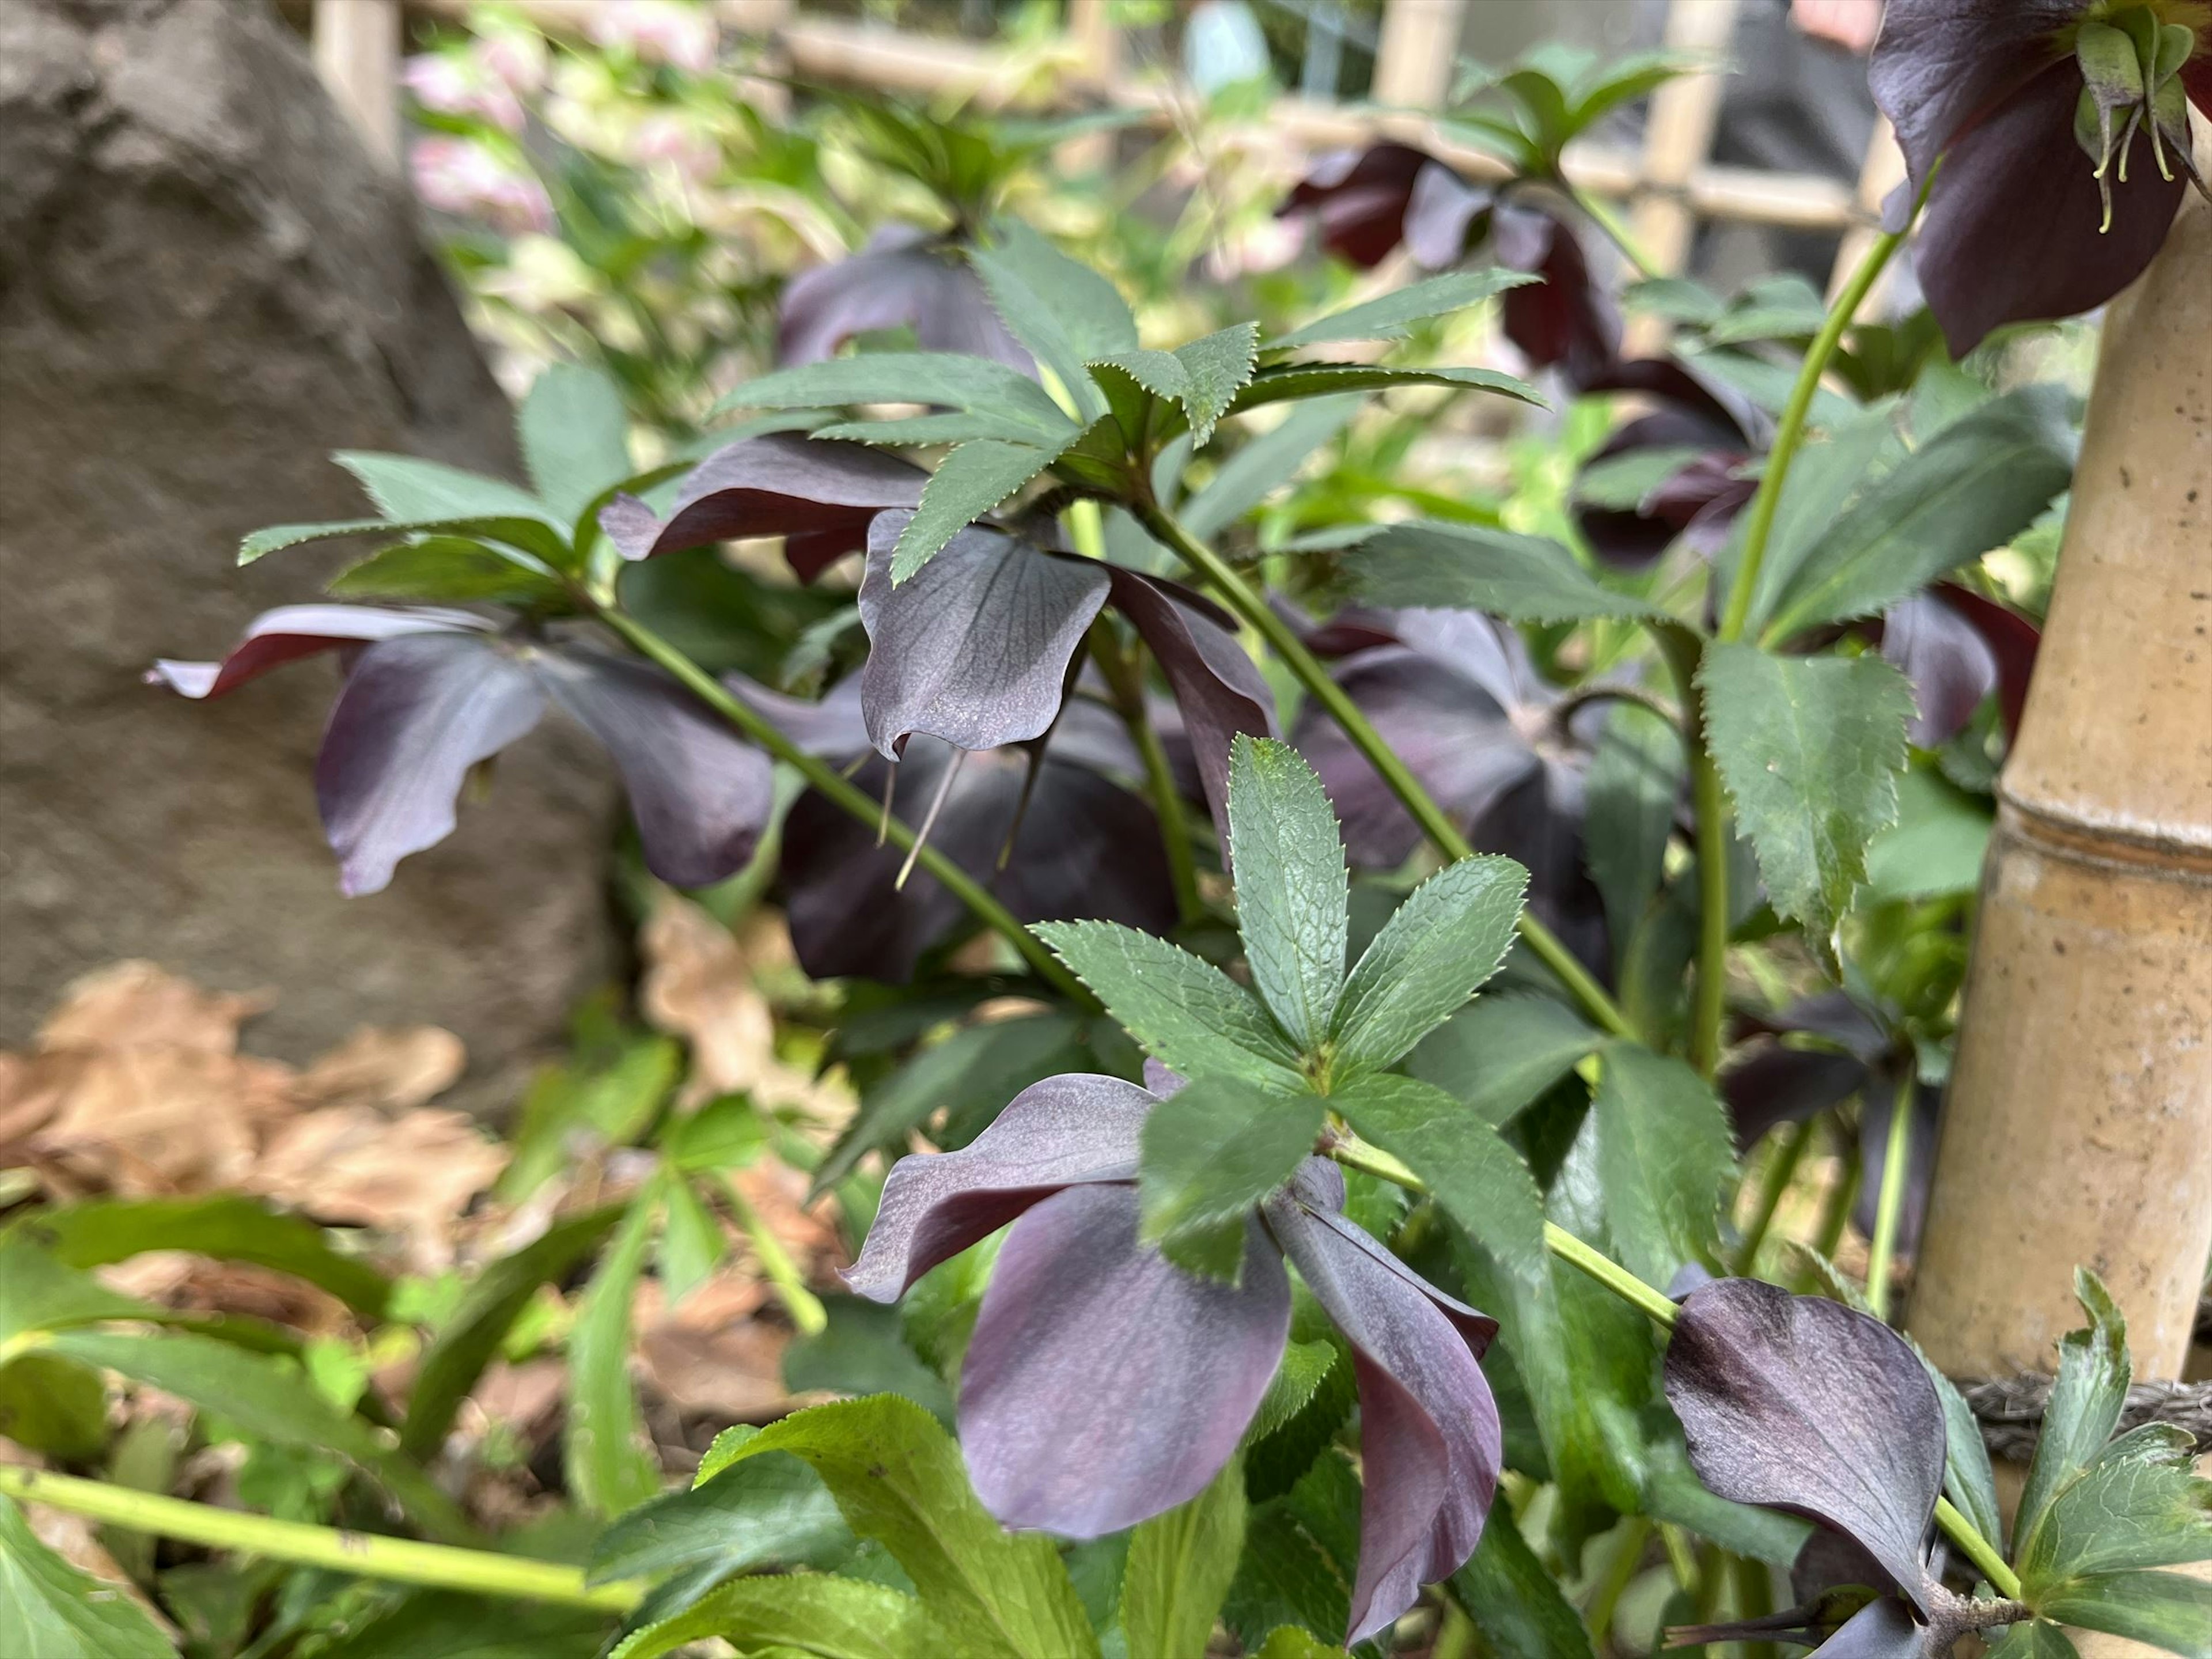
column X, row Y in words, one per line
column 357, row 51
column 1882, row 172
column 2078, row 1127
column 1413, row 58
column 1678, row 135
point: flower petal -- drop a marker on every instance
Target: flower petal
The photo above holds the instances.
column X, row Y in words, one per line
column 415, row 714
column 904, row 277
column 1429, row 1441
column 1359, row 198
column 293, row 631
column 2010, row 231
column 2012, row 640
column 1065, row 1131
column 1439, row 215
column 974, row 647
column 1941, row 66
column 830, row 726
column 1103, row 1384
column 1950, row 665
column 1567, row 320
column 817, row 492
column 700, row 793
column 1776, row 1085
column 1798, row 1403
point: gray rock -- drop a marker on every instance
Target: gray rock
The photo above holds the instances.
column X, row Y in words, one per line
column 206, row 286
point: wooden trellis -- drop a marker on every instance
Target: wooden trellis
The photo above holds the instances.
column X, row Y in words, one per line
column 1669, row 184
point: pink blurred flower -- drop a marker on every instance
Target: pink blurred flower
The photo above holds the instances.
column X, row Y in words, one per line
column 516, row 58
column 460, row 176
column 664, row 138
column 684, row 35
column 455, row 86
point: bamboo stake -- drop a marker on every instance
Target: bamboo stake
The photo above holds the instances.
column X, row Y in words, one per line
column 1414, row 57
column 356, row 49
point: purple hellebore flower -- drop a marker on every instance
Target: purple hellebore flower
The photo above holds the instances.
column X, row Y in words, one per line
column 1957, row 647
column 429, row 695
column 904, row 277
column 2021, row 224
column 1104, row 1385
column 1700, row 498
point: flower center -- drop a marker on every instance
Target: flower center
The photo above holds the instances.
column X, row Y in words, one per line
column 2130, row 58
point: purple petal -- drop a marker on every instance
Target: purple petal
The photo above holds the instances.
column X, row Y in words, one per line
column 1359, row 198
column 1942, row 65
column 1708, row 412
column 974, row 647
column 415, row 713
column 2010, row 234
column 1064, row 1132
column 817, row 492
column 1874, row 1114
column 1429, row 1441
column 1951, row 666
column 1104, row 1385
column 700, row 793
column 293, row 631
column 1216, row 688
column 1884, row 1628
column 831, row 727
column 1567, row 320
column 1439, row 215
column 2012, row 640
column 903, row 277
column 1801, row 1404
column 1786, row 1085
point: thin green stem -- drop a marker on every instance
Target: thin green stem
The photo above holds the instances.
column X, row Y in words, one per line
column 1125, row 679
column 1616, row 233
column 1978, row 1549
column 845, row 794
column 776, row 1266
column 1434, row 822
column 1610, row 1273
column 1684, row 652
column 1779, row 1174
column 1841, row 1199
column 366, row 1555
column 1754, row 1597
column 1889, row 1202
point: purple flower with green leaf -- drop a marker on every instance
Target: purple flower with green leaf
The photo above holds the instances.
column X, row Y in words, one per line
column 430, row 695
column 1105, row 1384
column 903, row 278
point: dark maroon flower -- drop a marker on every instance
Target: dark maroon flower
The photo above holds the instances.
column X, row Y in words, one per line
column 1698, row 447
column 429, row 694
column 1455, row 695
column 2062, row 128
column 1105, row 1385
column 1957, row 647
column 904, row 277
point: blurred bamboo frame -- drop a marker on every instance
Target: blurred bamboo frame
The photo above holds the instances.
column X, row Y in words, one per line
column 1669, row 184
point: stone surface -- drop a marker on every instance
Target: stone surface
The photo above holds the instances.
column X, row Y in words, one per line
column 206, row 286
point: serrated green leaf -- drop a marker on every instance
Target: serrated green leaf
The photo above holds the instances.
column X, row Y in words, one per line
column 2035, row 1638
column 1439, row 947
column 1498, row 1056
column 574, row 435
column 1264, row 464
column 1387, row 317
column 828, row 1618
column 1211, row 1152
column 898, row 1478
column 1513, row 1601
column 771, row 1512
column 1974, row 486
column 446, row 570
column 2168, row 1610
column 1829, row 471
column 1291, row 884
column 1286, row 1587
column 1218, row 367
column 1472, row 566
column 454, row 1626
column 407, row 488
column 1634, row 785
column 2119, row 1515
column 225, row 1225
column 1067, row 314
column 1290, row 382
column 1305, row 1367
column 1810, row 748
column 1186, row 1014
column 533, row 536
column 1179, row 1568
column 967, row 484
column 1481, row 1182
column 972, row 385
column 51, row 1611
column 1622, row 483
column 1665, row 1155
column 1968, row 1480
column 2085, row 1400
column 602, row 1449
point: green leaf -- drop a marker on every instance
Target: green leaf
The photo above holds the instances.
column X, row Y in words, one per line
column 1446, row 940
column 1498, row 1056
column 1665, row 1155
column 38, row 1293
column 1968, row 1481
column 1292, row 885
column 1810, row 747
column 2085, row 1401
column 453, row 1626
column 1513, row 1600
column 1936, row 846
column 772, row 1512
column 602, row 1451
column 1472, row 567
column 1023, row 411
column 609, row 1103
column 863, row 1349
column 2167, row 1610
column 1974, row 486
column 1293, row 382
column 225, row 1225
column 574, row 434
column 1068, row 315
column 967, row 484
column 2035, row 1638
column 1828, row 472
column 1388, row 317
column 532, row 535
column 1212, row 1152
column 1186, row 1014
column 1292, row 1642
column 407, row 490
column 1218, row 367
column 1180, row 1568
column 446, row 570
column 898, row 1478
column 829, row 1618
column 1634, row 782
column 727, row 1132
column 455, row 1357
column 1305, row 1367
column 692, row 1242
column 53, row 1405
column 1286, row 1583
column 2119, row 1515
column 51, row 1611
column 1264, row 464
column 1482, row 1182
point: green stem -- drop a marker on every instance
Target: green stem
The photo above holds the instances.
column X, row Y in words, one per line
column 366, row 1555
column 1779, row 1174
column 843, row 793
column 1619, row 235
column 1978, row 1549
column 1684, row 652
column 1456, row 1636
column 1889, row 1203
column 776, row 1266
column 1610, row 1273
column 1841, row 1199
column 1125, row 679
column 1754, row 1596
column 1434, row 822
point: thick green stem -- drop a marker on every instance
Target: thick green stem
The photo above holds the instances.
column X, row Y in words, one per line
column 1434, row 822
column 1889, row 1202
column 1978, row 1549
column 1684, row 652
column 1125, row 679
column 844, row 793
column 1754, row 1597
column 1779, row 1174
column 366, row 1555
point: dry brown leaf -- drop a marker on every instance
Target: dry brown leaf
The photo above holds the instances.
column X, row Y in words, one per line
column 411, row 1176
column 393, row 1068
column 140, row 1005
column 141, row 1120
